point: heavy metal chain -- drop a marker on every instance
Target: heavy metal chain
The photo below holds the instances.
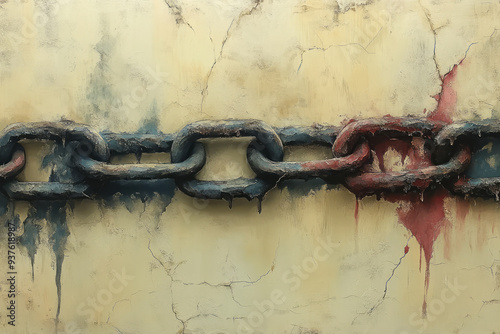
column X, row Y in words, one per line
column 87, row 155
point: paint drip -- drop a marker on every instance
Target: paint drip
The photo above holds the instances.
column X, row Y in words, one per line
column 462, row 209
column 423, row 214
column 356, row 227
column 55, row 215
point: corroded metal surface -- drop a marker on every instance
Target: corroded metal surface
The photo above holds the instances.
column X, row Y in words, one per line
column 309, row 169
column 388, row 126
column 368, row 183
column 106, row 171
column 466, row 133
column 46, row 190
column 420, row 179
column 15, row 165
column 266, row 138
column 265, row 135
column 60, row 131
column 85, row 169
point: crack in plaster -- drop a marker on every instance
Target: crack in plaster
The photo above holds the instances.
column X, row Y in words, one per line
column 488, row 302
column 347, row 5
column 396, row 267
column 321, row 301
column 233, row 25
column 303, row 330
column 230, row 284
column 176, row 10
column 382, row 299
column 494, row 31
column 119, row 301
column 323, row 49
column 446, row 97
column 113, row 308
column 170, row 273
column 434, row 31
column 117, row 330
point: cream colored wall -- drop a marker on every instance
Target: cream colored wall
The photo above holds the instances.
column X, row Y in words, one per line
column 198, row 267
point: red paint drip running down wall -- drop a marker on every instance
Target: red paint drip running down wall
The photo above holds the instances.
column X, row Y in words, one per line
column 422, row 214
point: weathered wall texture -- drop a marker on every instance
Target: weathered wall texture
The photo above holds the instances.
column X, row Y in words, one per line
column 170, row 264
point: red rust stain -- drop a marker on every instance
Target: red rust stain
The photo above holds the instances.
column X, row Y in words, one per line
column 481, row 237
column 424, row 216
column 18, row 162
column 356, row 227
column 381, row 145
column 417, row 155
column 356, row 210
column 447, row 98
column 447, row 241
column 407, row 249
column 462, row 210
column 420, row 260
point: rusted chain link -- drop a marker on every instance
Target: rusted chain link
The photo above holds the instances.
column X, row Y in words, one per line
column 368, row 183
column 84, row 165
column 15, row 165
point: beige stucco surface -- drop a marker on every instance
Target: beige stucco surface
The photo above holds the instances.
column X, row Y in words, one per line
column 199, row 267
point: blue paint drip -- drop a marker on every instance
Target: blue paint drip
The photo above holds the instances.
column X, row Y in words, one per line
column 4, row 201
column 30, row 238
column 299, row 188
column 56, row 216
column 54, row 212
column 126, row 191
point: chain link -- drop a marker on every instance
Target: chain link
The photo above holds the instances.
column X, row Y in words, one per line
column 265, row 138
column 369, row 183
column 84, row 165
column 67, row 185
column 466, row 132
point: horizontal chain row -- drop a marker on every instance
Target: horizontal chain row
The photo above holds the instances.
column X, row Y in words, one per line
column 88, row 153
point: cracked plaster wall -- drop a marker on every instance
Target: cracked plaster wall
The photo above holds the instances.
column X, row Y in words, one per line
column 198, row 267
